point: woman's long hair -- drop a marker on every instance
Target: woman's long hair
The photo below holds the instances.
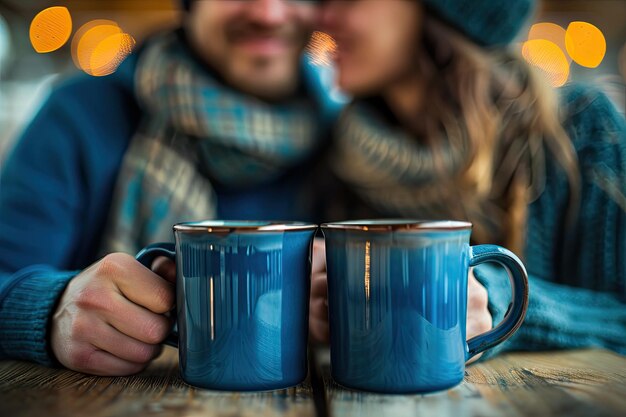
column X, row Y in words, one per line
column 491, row 103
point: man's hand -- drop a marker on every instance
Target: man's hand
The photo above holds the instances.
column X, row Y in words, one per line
column 318, row 309
column 110, row 319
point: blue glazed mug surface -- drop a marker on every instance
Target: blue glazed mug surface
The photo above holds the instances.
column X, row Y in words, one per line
column 397, row 294
column 242, row 294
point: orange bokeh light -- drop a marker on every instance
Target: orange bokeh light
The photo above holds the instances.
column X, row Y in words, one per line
column 98, row 30
column 50, row 29
column 110, row 53
column 99, row 46
column 549, row 58
column 321, row 48
column 550, row 32
column 585, row 43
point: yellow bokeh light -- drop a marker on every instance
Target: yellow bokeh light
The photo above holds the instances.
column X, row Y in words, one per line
column 550, row 32
column 87, row 44
column 99, row 46
column 321, row 48
column 585, row 43
column 50, row 29
column 110, row 53
column 549, row 58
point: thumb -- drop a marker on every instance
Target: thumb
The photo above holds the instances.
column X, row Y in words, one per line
column 319, row 256
column 165, row 267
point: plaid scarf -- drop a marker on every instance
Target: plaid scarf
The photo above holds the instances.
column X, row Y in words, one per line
column 196, row 132
column 398, row 176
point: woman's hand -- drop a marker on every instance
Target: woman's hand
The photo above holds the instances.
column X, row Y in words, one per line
column 318, row 309
column 478, row 317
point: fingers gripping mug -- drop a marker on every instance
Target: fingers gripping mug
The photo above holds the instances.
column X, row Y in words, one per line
column 397, row 294
column 242, row 293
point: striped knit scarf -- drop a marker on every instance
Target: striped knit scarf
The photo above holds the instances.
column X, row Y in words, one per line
column 398, row 176
column 196, row 132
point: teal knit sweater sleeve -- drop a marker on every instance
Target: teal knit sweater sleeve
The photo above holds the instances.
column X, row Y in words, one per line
column 577, row 280
column 25, row 314
column 55, row 190
column 559, row 316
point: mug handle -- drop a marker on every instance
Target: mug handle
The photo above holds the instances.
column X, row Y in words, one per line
column 519, row 285
column 146, row 256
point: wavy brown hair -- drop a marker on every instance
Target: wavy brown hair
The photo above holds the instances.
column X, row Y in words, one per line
column 491, row 103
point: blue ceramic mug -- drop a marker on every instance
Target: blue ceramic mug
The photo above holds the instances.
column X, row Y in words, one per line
column 242, row 297
column 397, row 294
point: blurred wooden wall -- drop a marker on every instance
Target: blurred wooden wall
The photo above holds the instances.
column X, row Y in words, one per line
column 140, row 17
column 137, row 17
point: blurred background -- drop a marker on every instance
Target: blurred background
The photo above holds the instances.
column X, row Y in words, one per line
column 42, row 41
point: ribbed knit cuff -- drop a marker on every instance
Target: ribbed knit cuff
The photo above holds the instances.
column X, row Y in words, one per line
column 26, row 307
column 558, row 317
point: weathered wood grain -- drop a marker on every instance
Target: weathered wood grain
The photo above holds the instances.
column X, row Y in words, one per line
column 573, row 383
column 31, row 390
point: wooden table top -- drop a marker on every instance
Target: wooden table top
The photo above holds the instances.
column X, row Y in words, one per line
column 573, row 383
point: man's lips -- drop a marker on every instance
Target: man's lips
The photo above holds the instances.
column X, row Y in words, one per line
column 263, row 45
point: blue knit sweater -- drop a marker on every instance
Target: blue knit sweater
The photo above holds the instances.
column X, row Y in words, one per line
column 56, row 187
column 578, row 281
column 577, row 276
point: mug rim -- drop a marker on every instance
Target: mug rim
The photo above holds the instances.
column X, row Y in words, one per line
column 387, row 225
column 229, row 226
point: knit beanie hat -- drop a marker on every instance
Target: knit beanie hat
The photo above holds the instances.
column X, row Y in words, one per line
column 486, row 22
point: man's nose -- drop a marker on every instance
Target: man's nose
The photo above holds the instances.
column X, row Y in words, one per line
column 268, row 12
